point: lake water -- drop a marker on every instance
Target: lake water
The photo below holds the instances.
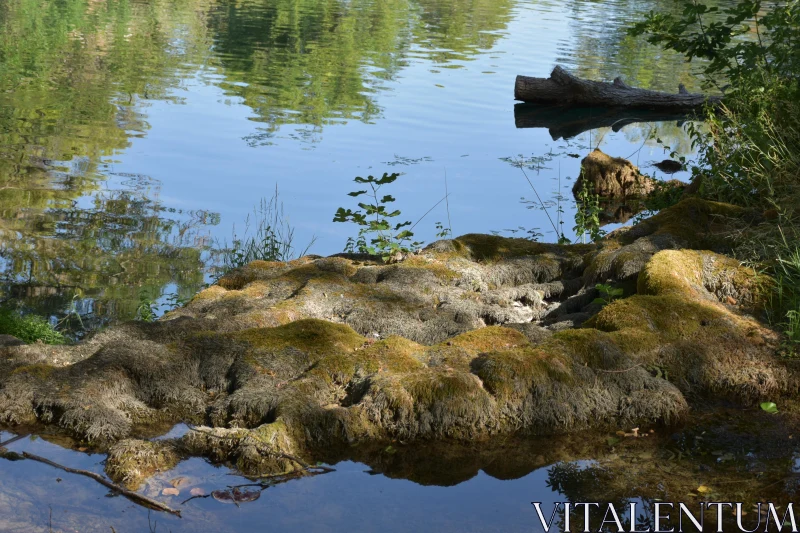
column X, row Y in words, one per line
column 134, row 135
column 352, row 498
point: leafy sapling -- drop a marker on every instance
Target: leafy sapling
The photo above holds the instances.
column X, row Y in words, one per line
column 147, row 311
column 587, row 215
column 374, row 219
column 443, row 232
column 607, row 294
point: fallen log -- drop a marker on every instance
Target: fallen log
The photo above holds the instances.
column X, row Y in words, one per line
column 562, row 88
column 571, row 121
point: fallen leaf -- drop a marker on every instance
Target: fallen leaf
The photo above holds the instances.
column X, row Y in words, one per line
column 197, row 491
column 702, row 489
column 178, row 481
column 170, row 491
column 769, row 407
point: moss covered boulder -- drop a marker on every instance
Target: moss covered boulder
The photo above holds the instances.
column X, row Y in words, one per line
column 280, row 363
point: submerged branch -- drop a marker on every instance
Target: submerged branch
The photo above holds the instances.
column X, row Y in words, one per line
column 132, row 496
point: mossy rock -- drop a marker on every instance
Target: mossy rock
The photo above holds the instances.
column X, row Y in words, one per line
column 288, row 359
column 131, row 461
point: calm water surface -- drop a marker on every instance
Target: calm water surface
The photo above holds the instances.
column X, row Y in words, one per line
column 353, row 498
column 136, row 134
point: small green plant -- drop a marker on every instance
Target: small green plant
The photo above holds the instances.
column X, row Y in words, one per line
column 769, row 407
column 442, row 232
column 272, row 238
column 174, row 301
column 587, row 214
column 147, row 311
column 374, row 219
column 607, row 294
column 29, row 328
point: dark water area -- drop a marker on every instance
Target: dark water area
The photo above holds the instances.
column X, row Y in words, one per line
column 353, row 497
column 728, row 455
column 136, row 135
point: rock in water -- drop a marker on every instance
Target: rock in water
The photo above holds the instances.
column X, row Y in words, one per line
column 612, row 177
column 669, row 166
column 236, row 496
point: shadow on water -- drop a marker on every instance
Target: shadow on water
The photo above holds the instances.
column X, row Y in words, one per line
column 726, row 454
column 568, row 122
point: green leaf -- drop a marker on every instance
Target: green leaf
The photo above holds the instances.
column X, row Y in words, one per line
column 769, row 407
column 356, row 193
column 598, row 301
column 387, row 178
column 386, row 199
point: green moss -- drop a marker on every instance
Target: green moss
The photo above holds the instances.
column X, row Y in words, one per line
column 428, row 388
column 490, row 248
column 238, row 278
column 512, row 374
column 308, row 335
column 695, row 221
column 212, row 293
column 673, row 271
column 394, row 355
column 306, row 273
column 671, row 317
column 459, row 351
column 589, row 346
column 438, row 268
column 132, row 461
column 39, row 371
column 274, row 435
column 692, row 274
column 637, row 342
column 488, row 339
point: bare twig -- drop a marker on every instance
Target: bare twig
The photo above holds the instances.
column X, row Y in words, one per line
column 13, row 439
column 447, row 204
column 133, row 496
column 270, row 481
column 428, row 211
